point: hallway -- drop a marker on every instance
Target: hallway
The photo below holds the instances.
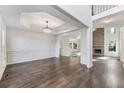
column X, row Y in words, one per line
column 64, row 72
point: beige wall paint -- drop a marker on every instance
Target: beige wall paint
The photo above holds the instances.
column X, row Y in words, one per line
column 98, row 38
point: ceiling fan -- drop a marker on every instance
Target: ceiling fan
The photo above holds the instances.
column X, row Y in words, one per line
column 47, row 29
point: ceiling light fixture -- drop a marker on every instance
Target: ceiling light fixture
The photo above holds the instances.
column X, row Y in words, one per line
column 108, row 20
column 47, row 29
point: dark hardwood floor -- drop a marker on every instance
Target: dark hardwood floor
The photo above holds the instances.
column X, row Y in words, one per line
column 64, row 72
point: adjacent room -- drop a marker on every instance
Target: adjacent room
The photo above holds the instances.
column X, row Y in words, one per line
column 70, row 44
column 106, row 42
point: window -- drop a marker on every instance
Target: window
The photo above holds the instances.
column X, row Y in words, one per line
column 112, row 40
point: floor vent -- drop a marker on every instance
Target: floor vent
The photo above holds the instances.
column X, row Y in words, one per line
column 5, row 76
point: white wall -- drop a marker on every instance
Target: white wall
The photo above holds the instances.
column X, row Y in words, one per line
column 57, row 46
column 26, row 46
column 2, row 47
column 81, row 12
column 122, row 44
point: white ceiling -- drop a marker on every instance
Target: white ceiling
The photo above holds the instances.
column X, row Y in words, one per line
column 40, row 19
column 73, row 34
column 115, row 20
column 33, row 17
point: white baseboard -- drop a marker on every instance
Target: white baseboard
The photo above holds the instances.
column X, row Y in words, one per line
column 26, row 56
column 24, row 61
column 2, row 69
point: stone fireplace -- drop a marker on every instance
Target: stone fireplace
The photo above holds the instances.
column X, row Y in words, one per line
column 98, row 41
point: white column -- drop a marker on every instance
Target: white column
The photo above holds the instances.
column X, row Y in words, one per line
column 57, row 46
column 86, row 47
column 83, row 47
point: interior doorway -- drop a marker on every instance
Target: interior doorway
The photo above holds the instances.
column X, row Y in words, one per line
column 70, row 44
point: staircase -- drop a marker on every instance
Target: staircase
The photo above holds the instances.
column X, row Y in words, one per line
column 96, row 9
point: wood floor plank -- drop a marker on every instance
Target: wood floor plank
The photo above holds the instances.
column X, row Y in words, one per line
column 64, row 72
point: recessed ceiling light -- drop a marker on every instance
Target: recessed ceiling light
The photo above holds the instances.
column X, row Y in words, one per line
column 107, row 21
